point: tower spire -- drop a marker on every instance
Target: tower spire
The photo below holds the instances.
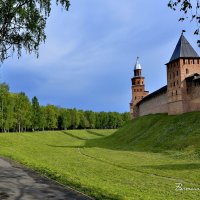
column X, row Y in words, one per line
column 137, row 64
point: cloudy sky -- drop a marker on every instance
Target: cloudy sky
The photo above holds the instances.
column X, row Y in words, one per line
column 88, row 58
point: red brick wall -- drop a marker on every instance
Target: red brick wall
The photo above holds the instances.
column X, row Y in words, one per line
column 177, row 71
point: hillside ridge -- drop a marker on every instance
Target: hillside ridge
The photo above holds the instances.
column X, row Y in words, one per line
column 157, row 133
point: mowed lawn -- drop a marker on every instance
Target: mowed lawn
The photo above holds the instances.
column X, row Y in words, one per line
column 103, row 172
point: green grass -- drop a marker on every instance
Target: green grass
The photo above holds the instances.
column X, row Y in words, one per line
column 143, row 160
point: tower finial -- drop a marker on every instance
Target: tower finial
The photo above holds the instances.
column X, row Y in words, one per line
column 183, row 31
column 137, row 65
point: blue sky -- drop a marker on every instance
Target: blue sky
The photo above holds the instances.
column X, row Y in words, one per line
column 88, row 58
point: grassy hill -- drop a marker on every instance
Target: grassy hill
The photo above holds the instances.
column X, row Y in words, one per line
column 141, row 161
column 157, row 133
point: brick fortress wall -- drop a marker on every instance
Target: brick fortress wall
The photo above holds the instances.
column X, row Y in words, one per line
column 155, row 104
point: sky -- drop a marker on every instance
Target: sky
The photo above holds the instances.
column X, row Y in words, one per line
column 88, row 58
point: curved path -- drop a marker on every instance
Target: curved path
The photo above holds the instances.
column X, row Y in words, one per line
column 19, row 183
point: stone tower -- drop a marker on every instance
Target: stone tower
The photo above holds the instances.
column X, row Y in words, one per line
column 138, row 88
column 184, row 62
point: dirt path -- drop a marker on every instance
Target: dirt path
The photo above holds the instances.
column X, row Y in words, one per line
column 19, row 183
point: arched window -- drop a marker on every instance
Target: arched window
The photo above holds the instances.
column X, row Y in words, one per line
column 176, row 73
column 187, row 71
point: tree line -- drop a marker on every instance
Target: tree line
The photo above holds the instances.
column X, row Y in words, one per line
column 19, row 114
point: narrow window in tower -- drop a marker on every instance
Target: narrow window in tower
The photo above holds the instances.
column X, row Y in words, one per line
column 177, row 82
column 197, row 61
column 140, row 90
column 172, row 93
column 184, row 61
column 170, row 76
column 187, row 71
column 174, row 83
column 176, row 92
column 138, row 82
column 135, row 98
column 174, row 75
column 177, row 73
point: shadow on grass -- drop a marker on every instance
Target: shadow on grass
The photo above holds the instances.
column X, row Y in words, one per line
column 65, row 146
column 174, row 166
column 102, row 141
column 74, row 136
column 94, row 133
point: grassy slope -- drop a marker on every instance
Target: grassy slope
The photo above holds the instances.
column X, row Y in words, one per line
column 143, row 160
column 157, row 133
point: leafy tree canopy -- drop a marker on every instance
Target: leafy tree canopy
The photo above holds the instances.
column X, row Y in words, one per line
column 22, row 25
column 189, row 10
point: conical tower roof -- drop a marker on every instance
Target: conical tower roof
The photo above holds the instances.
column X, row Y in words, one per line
column 183, row 50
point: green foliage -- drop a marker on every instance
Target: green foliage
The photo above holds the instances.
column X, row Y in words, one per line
column 22, row 25
column 6, row 105
column 17, row 113
column 75, row 118
column 22, row 112
column 51, row 117
column 190, row 10
column 64, row 119
column 36, row 114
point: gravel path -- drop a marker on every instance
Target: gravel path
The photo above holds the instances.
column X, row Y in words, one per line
column 19, row 183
